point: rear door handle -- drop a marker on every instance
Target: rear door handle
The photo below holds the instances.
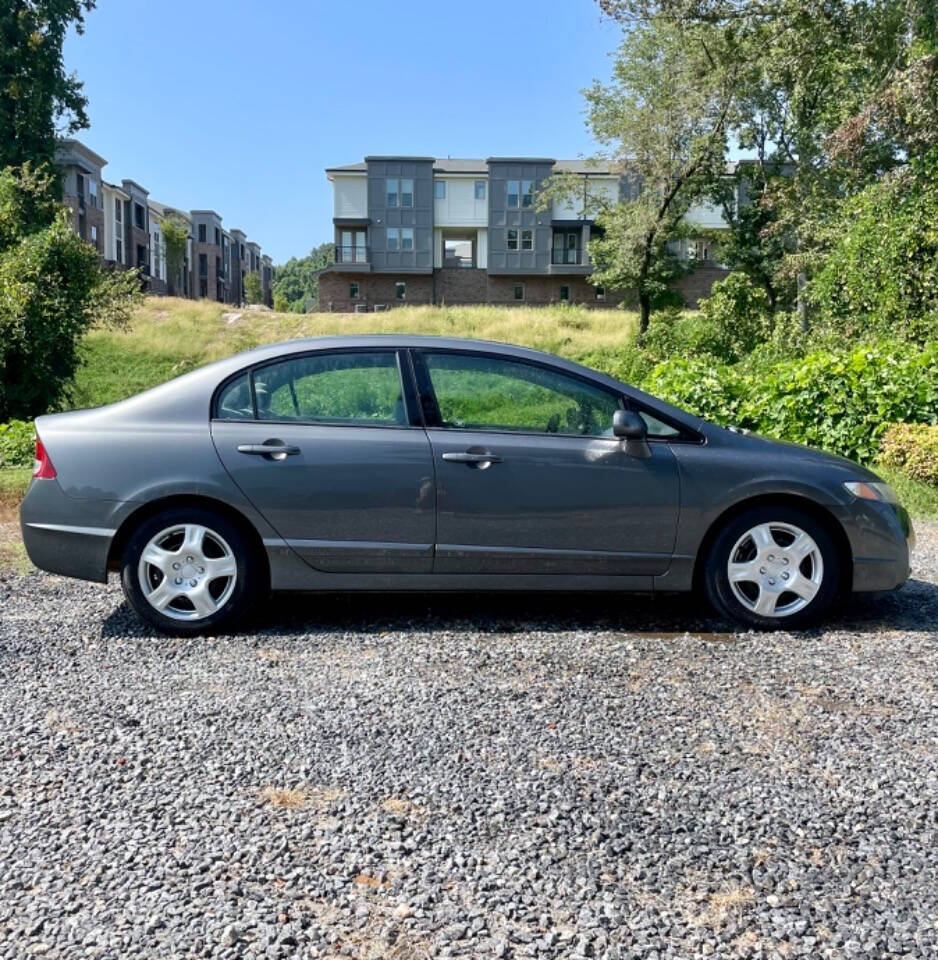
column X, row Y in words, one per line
column 275, row 450
column 471, row 457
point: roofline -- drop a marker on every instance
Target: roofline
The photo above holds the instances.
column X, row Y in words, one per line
column 212, row 212
column 134, row 183
column 520, row 160
column 407, row 159
column 89, row 153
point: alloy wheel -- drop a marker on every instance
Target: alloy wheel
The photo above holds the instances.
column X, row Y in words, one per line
column 775, row 569
column 187, row 572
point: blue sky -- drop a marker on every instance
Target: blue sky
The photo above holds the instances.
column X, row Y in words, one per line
column 239, row 106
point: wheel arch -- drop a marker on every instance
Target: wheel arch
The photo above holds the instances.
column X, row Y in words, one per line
column 151, row 508
column 811, row 507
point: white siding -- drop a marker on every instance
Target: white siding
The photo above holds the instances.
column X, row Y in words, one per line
column 350, row 196
column 705, row 215
column 459, row 208
column 589, row 200
column 482, row 248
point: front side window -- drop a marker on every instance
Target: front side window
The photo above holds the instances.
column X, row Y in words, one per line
column 513, row 193
column 400, row 290
column 527, row 239
column 394, row 186
column 527, row 193
column 491, row 393
column 331, row 388
column 394, row 238
column 511, row 239
column 480, row 190
column 407, row 238
column 407, row 193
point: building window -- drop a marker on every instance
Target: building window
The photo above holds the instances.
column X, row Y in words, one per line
column 511, row 239
column 519, row 291
column 439, row 189
column 353, row 291
column 600, row 293
column 407, row 238
column 94, row 236
column 400, row 290
column 142, row 257
column 140, row 217
column 203, row 266
column 218, row 272
column 407, row 193
column 119, row 251
column 527, row 193
column 394, row 186
column 394, row 238
column 217, row 237
column 202, row 233
column 527, row 239
column 93, row 192
column 512, row 199
column 480, row 190
column 203, row 287
column 118, row 210
column 565, row 294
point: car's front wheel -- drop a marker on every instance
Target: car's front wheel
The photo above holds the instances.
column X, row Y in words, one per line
column 189, row 571
column 773, row 568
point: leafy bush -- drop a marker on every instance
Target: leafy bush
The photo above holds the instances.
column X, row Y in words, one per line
column 17, row 446
column 628, row 364
column 702, row 385
column 914, row 448
column 881, row 275
column 736, row 316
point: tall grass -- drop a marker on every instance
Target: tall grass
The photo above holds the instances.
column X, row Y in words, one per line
column 169, row 336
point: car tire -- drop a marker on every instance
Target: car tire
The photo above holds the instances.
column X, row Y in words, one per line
column 189, row 571
column 773, row 568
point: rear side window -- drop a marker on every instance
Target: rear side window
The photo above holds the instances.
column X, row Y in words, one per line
column 489, row 393
column 234, row 402
column 332, row 388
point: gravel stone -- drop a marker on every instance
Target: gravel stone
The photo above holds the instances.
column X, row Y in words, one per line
column 602, row 777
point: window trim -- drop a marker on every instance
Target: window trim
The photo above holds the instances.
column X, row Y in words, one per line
column 400, row 289
column 397, row 193
column 475, row 190
column 517, row 247
column 531, row 236
column 439, row 189
column 520, row 299
column 401, row 204
column 405, row 372
column 357, row 294
column 508, row 204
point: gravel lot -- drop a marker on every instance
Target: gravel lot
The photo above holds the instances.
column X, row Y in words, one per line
column 473, row 777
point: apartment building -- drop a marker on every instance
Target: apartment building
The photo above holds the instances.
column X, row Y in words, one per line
column 462, row 231
column 125, row 225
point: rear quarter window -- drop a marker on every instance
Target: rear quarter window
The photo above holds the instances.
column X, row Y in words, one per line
column 234, row 400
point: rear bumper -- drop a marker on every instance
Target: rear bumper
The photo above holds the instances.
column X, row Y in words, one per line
column 67, row 536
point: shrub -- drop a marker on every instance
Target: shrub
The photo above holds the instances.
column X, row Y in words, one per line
column 628, row 364
column 736, row 317
column 17, row 446
column 702, row 385
column 914, row 448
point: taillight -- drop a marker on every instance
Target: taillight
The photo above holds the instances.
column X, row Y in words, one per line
column 42, row 468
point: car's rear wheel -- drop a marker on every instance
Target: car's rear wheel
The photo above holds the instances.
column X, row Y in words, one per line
column 773, row 568
column 189, row 571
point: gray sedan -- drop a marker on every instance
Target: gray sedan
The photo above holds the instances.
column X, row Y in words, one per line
column 417, row 463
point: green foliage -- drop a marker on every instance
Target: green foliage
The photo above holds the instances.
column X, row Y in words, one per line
column 38, row 98
column 281, row 304
column 881, row 276
column 17, row 444
column 914, row 448
column 52, row 289
column 296, row 282
column 253, row 292
column 702, row 385
column 175, row 238
column 920, row 499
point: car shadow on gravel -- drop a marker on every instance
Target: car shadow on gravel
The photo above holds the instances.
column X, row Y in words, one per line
column 914, row 608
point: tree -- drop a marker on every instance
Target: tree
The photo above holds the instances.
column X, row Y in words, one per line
column 175, row 239
column 253, row 292
column 663, row 121
column 52, row 290
column 38, row 100
column 297, row 281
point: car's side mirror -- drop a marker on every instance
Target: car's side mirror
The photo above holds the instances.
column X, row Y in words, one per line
column 627, row 425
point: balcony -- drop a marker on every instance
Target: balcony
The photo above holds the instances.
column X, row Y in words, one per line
column 352, row 258
column 566, row 257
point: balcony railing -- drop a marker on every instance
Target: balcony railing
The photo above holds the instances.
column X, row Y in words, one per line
column 352, row 254
column 566, row 256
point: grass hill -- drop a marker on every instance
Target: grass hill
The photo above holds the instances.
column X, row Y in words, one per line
column 170, row 336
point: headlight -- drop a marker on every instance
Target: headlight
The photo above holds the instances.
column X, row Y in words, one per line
column 868, row 490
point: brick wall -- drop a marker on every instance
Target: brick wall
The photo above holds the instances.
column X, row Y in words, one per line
column 334, row 294
column 696, row 285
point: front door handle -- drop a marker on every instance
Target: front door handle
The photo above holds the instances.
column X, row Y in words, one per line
column 274, row 450
column 481, row 457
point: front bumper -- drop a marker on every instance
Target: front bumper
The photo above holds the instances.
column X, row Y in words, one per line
column 882, row 539
column 67, row 536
